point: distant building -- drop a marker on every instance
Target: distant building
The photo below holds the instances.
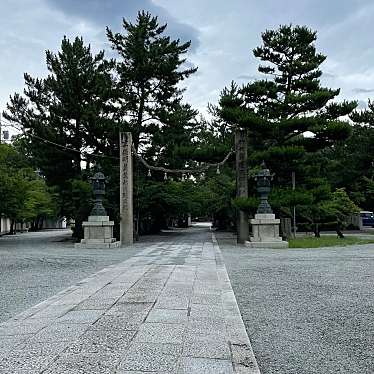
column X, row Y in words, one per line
column 4, row 225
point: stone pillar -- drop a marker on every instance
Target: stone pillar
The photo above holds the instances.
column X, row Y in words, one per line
column 242, row 181
column 126, row 189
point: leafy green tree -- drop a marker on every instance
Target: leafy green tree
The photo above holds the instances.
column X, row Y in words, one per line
column 351, row 164
column 339, row 207
column 25, row 195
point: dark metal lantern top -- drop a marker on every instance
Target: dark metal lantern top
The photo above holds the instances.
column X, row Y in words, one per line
column 98, row 186
column 263, row 179
column 98, row 183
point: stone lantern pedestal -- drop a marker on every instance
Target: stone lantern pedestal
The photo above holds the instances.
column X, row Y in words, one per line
column 98, row 233
column 265, row 232
column 98, row 230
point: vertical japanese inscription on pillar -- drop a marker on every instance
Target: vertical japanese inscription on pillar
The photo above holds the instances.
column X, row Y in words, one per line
column 126, row 189
column 241, row 160
column 242, row 181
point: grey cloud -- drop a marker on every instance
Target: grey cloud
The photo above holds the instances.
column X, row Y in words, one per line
column 247, row 77
column 363, row 90
column 110, row 13
column 328, row 75
column 222, row 30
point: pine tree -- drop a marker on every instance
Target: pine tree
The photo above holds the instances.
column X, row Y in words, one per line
column 69, row 108
column 289, row 116
column 279, row 110
column 149, row 72
column 148, row 103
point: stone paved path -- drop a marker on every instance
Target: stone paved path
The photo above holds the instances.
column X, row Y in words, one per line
column 168, row 309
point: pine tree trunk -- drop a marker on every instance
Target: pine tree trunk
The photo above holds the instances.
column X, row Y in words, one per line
column 339, row 231
column 40, row 223
column 317, row 233
column 12, row 227
column 78, row 229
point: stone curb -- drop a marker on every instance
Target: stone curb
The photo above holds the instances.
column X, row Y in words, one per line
column 242, row 354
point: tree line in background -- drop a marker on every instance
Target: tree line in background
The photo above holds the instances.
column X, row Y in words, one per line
column 71, row 120
column 25, row 196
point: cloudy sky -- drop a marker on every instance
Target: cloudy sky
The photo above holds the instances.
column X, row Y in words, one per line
column 223, row 34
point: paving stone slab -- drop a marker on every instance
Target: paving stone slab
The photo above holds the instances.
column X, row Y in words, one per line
column 80, row 316
column 84, row 364
column 111, row 291
column 140, row 297
column 161, row 333
column 52, row 311
column 196, row 331
column 31, row 358
column 205, row 348
column 243, row 358
column 178, row 316
column 184, row 292
column 140, row 372
column 102, row 342
column 133, row 311
column 10, row 343
column 59, row 332
column 116, row 323
column 205, row 310
column 172, row 302
column 206, row 299
column 151, row 357
column 23, row 327
column 193, row 365
column 94, row 303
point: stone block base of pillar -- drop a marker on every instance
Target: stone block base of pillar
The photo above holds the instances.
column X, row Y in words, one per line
column 98, row 233
column 265, row 232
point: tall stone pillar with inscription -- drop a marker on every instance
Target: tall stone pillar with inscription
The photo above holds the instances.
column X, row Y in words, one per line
column 126, row 189
column 242, row 182
column 98, row 230
column 265, row 227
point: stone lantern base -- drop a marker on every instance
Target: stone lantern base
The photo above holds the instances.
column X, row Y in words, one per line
column 265, row 231
column 98, row 233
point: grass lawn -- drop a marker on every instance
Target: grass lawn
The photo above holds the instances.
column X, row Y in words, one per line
column 327, row 241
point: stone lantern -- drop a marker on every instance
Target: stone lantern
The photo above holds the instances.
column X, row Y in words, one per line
column 265, row 227
column 263, row 179
column 98, row 186
column 98, row 230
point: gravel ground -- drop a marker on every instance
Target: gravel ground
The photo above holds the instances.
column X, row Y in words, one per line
column 35, row 266
column 306, row 311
